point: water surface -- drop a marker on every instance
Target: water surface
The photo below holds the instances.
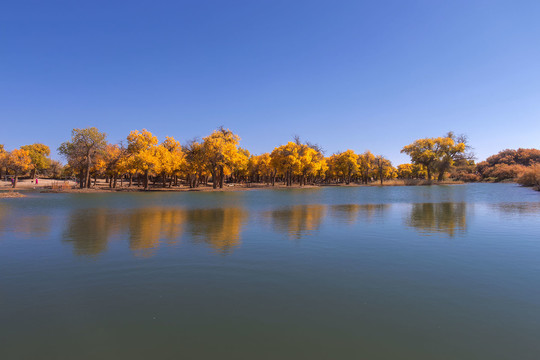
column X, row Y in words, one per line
column 441, row 272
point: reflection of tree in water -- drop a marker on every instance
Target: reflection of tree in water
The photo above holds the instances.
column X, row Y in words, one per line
column 23, row 223
column 532, row 208
column 298, row 220
column 349, row 213
column 3, row 216
column 88, row 230
column 149, row 226
column 446, row 218
column 220, row 228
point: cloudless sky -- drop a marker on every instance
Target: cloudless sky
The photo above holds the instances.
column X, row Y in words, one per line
column 345, row 74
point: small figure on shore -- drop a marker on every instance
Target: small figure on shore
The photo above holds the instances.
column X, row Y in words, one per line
column 36, row 181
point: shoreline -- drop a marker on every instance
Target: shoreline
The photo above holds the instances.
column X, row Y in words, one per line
column 44, row 188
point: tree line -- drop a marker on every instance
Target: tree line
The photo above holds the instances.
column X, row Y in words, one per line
column 521, row 165
column 141, row 160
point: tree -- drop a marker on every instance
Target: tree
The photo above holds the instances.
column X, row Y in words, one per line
column 19, row 162
column 171, row 158
column 286, row 160
column 82, row 151
column 3, row 158
column 508, row 164
column 142, row 149
column 405, row 171
column 366, row 165
column 220, row 150
column 383, row 168
column 193, row 167
column 436, row 154
column 422, row 152
column 38, row 153
column 346, row 164
column 114, row 162
column 55, row 169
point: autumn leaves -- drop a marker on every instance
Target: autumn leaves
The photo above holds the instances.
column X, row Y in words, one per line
column 218, row 159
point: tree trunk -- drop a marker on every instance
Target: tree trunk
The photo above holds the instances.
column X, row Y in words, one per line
column 146, row 180
column 15, row 179
column 214, row 180
column 221, row 176
column 87, row 176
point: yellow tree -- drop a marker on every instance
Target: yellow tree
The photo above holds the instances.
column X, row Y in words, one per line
column 193, row 167
column 173, row 161
column 405, row 171
column 449, row 149
column 333, row 172
column 220, row 150
column 286, row 160
column 39, row 154
column 366, row 166
column 3, row 158
column 311, row 161
column 346, row 164
column 259, row 167
column 142, row 150
column 435, row 154
column 383, row 168
column 240, row 165
column 19, row 162
column 114, row 162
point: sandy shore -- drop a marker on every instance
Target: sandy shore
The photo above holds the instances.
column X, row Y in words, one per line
column 54, row 186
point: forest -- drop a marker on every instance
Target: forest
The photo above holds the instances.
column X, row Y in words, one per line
column 144, row 162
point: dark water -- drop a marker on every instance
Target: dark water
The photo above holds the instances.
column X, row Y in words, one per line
column 448, row 272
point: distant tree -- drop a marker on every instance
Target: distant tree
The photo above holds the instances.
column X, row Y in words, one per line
column 346, row 164
column 437, row 155
column 366, row 165
column 83, row 149
column 3, row 158
column 384, row 168
column 508, row 164
column 39, row 154
column 19, row 162
column 220, row 150
column 55, row 169
column 142, row 148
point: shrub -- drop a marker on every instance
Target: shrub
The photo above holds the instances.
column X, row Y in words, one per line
column 530, row 177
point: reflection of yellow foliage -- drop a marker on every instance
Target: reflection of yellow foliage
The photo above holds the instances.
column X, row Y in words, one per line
column 3, row 215
column 89, row 230
column 33, row 225
column 438, row 217
column 298, row 220
column 220, row 228
column 148, row 226
column 349, row 213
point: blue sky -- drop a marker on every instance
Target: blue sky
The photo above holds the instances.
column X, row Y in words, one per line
column 345, row 74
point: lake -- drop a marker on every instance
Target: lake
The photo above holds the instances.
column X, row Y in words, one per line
column 440, row 272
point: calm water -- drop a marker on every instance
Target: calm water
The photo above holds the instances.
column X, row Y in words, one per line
column 447, row 272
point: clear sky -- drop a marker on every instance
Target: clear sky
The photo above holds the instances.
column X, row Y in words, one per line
column 345, row 74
